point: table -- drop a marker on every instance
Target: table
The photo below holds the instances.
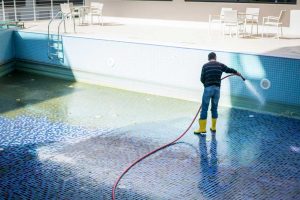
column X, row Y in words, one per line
column 249, row 18
column 83, row 14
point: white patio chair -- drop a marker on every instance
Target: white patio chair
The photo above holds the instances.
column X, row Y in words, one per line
column 66, row 11
column 74, row 10
column 96, row 10
column 71, row 6
column 252, row 18
column 65, row 8
column 217, row 18
column 232, row 20
column 84, row 12
column 274, row 21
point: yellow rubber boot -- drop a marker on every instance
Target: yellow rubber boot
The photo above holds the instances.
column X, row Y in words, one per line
column 213, row 125
column 202, row 127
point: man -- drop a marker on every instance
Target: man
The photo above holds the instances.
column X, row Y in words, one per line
column 211, row 79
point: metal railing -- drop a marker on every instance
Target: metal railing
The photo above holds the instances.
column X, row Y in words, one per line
column 51, row 54
column 32, row 10
column 55, row 42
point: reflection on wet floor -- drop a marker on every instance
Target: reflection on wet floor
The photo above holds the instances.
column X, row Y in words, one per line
column 66, row 140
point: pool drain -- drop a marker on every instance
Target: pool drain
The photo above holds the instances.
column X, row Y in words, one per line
column 110, row 62
column 265, row 84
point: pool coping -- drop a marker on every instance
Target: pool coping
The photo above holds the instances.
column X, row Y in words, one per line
column 160, row 44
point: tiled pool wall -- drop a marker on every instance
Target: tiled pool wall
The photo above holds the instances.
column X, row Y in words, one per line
column 7, row 52
column 158, row 69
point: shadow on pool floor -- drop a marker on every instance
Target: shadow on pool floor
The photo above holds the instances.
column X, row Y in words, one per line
column 19, row 90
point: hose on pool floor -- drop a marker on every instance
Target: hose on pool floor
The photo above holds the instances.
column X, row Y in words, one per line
column 159, row 148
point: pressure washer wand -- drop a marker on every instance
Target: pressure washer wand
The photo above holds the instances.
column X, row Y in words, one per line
column 242, row 77
column 162, row 147
column 235, row 74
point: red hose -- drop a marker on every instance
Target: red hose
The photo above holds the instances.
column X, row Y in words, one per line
column 156, row 150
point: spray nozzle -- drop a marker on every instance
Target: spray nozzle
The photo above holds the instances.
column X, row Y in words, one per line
column 242, row 77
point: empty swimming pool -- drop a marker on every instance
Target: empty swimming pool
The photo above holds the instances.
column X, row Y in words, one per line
column 65, row 139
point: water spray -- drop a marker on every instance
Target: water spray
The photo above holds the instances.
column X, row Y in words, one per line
column 164, row 146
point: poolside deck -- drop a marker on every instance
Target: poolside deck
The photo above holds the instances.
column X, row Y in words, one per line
column 181, row 34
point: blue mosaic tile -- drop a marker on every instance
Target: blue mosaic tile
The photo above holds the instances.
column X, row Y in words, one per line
column 254, row 158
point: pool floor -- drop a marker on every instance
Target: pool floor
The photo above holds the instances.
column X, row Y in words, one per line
column 66, row 140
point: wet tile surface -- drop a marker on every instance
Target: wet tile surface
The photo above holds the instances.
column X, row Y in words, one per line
column 64, row 140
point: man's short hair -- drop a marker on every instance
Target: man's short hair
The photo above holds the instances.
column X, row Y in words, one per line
column 212, row 56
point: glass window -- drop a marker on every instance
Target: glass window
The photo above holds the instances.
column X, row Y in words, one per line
column 57, row 2
column 10, row 3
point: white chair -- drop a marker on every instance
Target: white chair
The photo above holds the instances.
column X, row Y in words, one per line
column 84, row 12
column 74, row 10
column 274, row 21
column 217, row 18
column 66, row 13
column 96, row 10
column 65, row 8
column 252, row 18
column 295, row 21
column 232, row 20
column 71, row 6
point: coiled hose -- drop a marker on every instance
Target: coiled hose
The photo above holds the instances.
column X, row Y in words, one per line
column 159, row 148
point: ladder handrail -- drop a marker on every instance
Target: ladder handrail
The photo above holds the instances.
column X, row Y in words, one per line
column 52, row 20
column 57, row 14
column 64, row 16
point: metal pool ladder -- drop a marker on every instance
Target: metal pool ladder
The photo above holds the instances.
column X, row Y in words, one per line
column 55, row 42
